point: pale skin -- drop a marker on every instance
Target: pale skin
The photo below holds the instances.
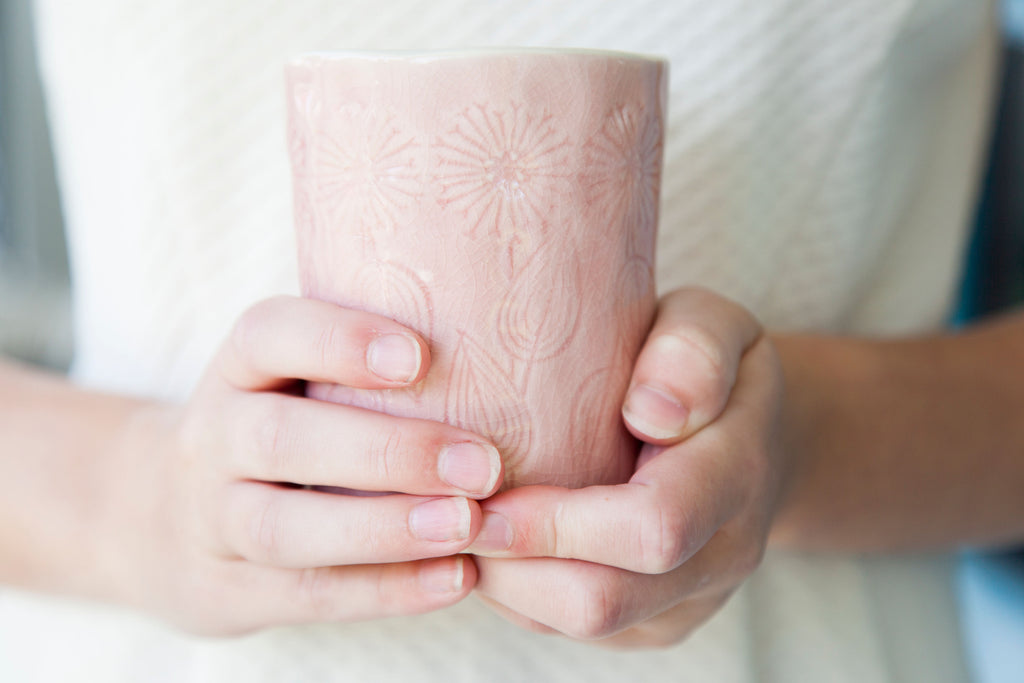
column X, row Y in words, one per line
column 855, row 445
column 170, row 509
column 804, row 441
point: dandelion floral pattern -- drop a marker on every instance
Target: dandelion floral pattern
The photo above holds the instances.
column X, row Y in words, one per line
column 482, row 398
column 624, row 162
column 366, row 170
column 502, row 169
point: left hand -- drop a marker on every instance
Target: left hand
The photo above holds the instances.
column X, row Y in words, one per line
column 646, row 562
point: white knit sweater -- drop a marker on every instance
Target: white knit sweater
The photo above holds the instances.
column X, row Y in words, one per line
column 820, row 166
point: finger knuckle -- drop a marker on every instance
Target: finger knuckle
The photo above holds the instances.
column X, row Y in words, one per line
column 385, row 454
column 664, row 539
column 596, row 608
column 328, row 345
column 551, row 535
column 272, row 434
column 317, row 592
column 702, row 345
column 265, row 536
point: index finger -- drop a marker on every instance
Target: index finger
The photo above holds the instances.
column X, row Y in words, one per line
column 287, row 338
column 650, row 526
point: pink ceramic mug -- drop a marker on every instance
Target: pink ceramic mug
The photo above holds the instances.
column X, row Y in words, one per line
column 503, row 203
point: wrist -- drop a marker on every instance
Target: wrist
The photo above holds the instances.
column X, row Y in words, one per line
column 122, row 532
column 58, row 476
column 821, row 374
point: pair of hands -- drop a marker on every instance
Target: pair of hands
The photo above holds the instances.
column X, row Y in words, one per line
column 231, row 535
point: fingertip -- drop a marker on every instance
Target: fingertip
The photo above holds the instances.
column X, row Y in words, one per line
column 451, row 576
column 654, row 414
column 472, row 467
column 444, row 520
column 687, row 368
column 474, row 523
column 397, row 357
column 476, row 516
column 495, row 537
column 282, row 339
column 470, row 573
column 424, row 358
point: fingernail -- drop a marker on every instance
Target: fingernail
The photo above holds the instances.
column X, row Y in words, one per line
column 495, row 534
column 472, row 467
column 443, row 519
column 394, row 357
column 443, row 576
column 655, row 412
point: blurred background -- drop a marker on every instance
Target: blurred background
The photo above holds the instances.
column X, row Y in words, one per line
column 34, row 303
column 994, row 278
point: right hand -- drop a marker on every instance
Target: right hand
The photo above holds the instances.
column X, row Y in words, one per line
column 222, row 533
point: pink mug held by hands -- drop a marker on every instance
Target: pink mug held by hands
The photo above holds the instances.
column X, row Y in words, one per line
column 502, row 203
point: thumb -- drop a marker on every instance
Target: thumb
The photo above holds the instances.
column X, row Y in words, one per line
column 686, row 370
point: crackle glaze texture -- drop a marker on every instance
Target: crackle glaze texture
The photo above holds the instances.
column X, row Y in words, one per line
column 504, row 205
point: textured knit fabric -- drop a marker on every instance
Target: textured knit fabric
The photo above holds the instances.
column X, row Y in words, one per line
column 820, row 159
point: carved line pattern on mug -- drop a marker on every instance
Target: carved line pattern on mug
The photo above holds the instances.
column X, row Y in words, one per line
column 306, row 112
column 367, row 170
column 635, row 287
column 592, row 403
column 482, row 398
column 537, row 322
column 504, row 168
column 306, row 224
column 623, row 162
column 400, row 293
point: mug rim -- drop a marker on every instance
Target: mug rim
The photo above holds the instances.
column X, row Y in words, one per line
column 423, row 56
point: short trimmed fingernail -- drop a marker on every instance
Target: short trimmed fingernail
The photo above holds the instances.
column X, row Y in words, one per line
column 394, row 357
column 472, row 467
column 655, row 412
column 443, row 519
column 443, row 576
column 495, row 534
